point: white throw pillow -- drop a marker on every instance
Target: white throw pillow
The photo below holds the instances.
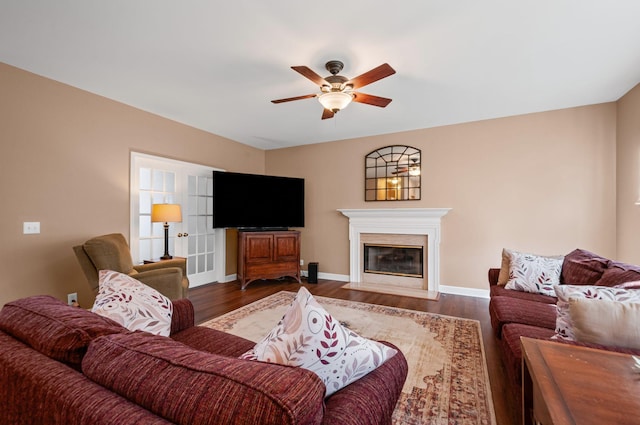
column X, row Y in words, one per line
column 565, row 293
column 133, row 304
column 533, row 273
column 606, row 322
column 308, row 336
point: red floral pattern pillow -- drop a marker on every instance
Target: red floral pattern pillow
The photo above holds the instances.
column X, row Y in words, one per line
column 308, row 336
column 133, row 304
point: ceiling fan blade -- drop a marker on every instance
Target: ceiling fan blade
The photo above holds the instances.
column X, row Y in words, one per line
column 371, row 99
column 289, row 99
column 308, row 73
column 372, row 76
column 327, row 114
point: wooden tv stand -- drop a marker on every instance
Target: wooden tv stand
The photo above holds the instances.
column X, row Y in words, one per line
column 268, row 255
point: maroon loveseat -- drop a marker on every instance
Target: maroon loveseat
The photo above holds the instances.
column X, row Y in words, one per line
column 66, row 365
column 516, row 314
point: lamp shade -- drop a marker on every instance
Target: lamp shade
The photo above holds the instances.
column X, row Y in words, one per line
column 335, row 100
column 167, row 213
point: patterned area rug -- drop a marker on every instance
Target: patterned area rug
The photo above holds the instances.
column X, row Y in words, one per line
column 447, row 381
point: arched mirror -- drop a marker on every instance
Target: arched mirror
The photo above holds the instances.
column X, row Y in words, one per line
column 392, row 173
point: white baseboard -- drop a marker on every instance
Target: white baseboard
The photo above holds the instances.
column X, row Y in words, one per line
column 456, row 290
column 328, row 276
column 334, row 276
column 469, row 292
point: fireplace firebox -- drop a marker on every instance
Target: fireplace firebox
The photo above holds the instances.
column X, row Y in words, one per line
column 396, row 260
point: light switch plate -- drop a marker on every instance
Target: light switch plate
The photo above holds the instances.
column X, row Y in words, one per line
column 31, row 227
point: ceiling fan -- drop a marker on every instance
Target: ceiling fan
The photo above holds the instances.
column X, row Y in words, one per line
column 413, row 169
column 337, row 91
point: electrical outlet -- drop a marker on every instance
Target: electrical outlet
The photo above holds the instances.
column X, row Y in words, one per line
column 72, row 298
column 302, row 262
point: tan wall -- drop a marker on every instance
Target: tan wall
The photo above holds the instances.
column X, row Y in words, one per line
column 541, row 183
column 65, row 161
column 628, row 171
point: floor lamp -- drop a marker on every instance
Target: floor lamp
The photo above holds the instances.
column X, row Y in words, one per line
column 167, row 213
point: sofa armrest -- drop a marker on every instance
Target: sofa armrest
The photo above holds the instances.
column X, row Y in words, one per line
column 167, row 281
column 180, row 263
column 493, row 276
column 183, row 315
column 371, row 399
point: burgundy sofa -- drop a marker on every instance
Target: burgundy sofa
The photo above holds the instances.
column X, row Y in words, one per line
column 66, row 365
column 516, row 314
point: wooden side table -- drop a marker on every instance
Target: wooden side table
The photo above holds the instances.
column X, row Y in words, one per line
column 157, row 260
column 567, row 384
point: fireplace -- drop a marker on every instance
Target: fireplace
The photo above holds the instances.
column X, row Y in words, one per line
column 391, row 232
column 396, row 255
column 394, row 260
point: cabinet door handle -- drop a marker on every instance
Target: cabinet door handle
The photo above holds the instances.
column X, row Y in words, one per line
column 180, row 235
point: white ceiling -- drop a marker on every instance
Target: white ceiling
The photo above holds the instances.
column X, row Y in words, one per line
column 216, row 65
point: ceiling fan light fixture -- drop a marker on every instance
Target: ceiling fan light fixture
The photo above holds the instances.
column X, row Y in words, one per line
column 337, row 91
column 335, row 101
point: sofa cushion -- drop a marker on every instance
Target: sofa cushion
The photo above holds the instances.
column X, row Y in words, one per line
column 187, row 386
column 53, row 328
column 618, row 274
column 581, row 267
column 533, row 273
column 564, row 323
column 605, row 322
column 501, row 291
column 133, row 304
column 503, row 310
column 309, row 337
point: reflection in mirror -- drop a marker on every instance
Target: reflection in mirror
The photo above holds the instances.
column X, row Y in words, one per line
column 392, row 173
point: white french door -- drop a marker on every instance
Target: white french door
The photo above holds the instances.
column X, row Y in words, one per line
column 161, row 180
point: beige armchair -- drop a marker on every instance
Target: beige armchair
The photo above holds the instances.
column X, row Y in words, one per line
column 111, row 252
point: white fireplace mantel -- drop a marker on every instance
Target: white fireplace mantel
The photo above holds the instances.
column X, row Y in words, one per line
column 403, row 221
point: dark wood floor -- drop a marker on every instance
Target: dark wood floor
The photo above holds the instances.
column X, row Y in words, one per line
column 215, row 299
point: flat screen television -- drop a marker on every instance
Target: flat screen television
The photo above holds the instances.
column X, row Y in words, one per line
column 252, row 201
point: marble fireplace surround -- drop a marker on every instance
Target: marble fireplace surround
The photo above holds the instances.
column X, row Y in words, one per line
column 395, row 221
